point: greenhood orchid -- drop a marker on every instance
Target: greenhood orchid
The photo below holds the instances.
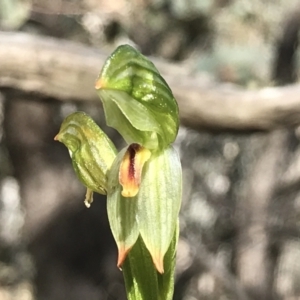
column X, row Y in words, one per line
column 143, row 181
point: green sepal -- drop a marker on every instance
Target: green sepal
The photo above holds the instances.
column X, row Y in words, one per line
column 134, row 85
column 159, row 202
column 121, row 212
column 166, row 280
column 91, row 151
column 130, row 118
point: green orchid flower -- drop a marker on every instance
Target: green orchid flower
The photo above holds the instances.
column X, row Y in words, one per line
column 151, row 212
column 143, row 181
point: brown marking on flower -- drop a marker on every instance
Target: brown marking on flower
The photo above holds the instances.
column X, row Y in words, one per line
column 131, row 151
column 158, row 261
column 131, row 168
column 122, row 254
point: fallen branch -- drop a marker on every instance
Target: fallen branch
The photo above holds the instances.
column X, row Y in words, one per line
column 67, row 71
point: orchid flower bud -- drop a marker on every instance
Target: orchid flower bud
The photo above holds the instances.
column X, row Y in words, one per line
column 91, row 151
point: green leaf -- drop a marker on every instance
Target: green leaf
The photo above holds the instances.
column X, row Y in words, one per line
column 159, row 201
column 121, row 212
column 91, row 151
column 141, row 96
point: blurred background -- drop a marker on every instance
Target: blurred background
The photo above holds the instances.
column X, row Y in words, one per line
column 240, row 229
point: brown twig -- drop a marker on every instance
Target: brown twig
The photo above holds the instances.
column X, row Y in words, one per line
column 67, row 71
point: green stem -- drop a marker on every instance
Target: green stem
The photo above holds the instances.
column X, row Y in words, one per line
column 142, row 280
